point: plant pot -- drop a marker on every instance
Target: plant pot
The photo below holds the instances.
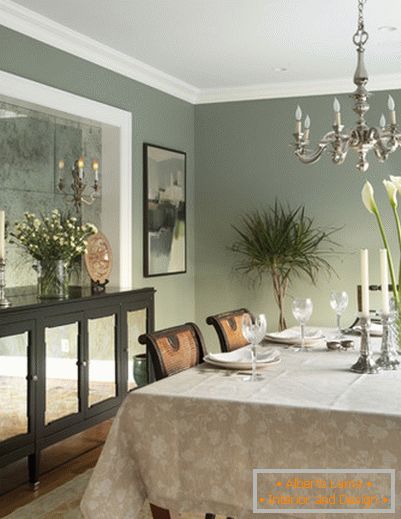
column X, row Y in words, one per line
column 53, row 279
column 141, row 369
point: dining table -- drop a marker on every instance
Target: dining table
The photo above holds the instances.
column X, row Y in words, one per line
column 190, row 443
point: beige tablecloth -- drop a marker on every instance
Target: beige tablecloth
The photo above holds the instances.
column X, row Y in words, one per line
column 189, row 443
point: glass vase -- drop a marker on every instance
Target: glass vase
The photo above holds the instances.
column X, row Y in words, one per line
column 141, row 369
column 395, row 325
column 53, row 279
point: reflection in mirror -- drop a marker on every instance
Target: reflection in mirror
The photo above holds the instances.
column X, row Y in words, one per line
column 37, row 149
column 136, row 322
column 13, row 385
column 62, row 397
column 101, row 357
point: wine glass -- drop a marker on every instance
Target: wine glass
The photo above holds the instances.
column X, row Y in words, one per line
column 339, row 302
column 302, row 309
column 254, row 330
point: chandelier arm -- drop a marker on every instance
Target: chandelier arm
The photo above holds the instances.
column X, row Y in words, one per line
column 310, row 157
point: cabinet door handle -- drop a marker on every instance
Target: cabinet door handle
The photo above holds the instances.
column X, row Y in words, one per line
column 84, row 363
column 35, row 378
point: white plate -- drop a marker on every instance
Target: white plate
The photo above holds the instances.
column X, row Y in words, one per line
column 293, row 337
column 240, row 365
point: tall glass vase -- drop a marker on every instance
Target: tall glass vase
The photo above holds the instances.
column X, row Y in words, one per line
column 53, row 279
column 395, row 325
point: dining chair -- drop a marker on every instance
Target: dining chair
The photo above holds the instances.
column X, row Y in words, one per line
column 228, row 326
column 372, row 288
column 174, row 349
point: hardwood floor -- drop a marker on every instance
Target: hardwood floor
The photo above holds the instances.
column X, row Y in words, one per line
column 60, row 463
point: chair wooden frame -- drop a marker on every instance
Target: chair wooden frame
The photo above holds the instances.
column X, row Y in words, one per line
column 216, row 322
column 372, row 288
column 171, row 334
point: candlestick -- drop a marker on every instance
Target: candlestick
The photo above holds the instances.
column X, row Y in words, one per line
column 3, row 300
column 365, row 281
column 365, row 363
column 2, row 235
column 388, row 359
column 384, row 281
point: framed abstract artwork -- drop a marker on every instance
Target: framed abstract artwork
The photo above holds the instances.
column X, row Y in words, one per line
column 164, row 211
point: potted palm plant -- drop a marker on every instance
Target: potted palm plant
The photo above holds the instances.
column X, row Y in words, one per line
column 283, row 243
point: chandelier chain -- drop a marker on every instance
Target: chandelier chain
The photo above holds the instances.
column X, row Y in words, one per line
column 361, row 36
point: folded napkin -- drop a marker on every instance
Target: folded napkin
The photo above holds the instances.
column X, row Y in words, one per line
column 244, row 355
column 293, row 336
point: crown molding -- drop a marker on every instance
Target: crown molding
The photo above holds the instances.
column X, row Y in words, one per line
column 293, row 89
column 41, row 28
column 34, row 25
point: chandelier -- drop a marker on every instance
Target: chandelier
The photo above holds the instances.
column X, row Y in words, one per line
column 78, row 185
column 383, row 140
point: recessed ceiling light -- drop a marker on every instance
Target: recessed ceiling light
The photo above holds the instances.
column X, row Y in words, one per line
column 387, row 28
column 280, row 69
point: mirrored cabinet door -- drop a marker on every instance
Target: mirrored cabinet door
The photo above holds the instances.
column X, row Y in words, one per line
column 137, row 367
column 14, row 369
column 102, row 376
column 62, row 372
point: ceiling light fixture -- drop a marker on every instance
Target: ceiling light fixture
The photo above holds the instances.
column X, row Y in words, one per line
column 383, row 140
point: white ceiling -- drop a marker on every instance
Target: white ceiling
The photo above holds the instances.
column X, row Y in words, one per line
column 217, row 45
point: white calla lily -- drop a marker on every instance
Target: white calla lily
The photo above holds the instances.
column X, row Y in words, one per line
column 391, row 189
column 397, row 182
column 368, row 198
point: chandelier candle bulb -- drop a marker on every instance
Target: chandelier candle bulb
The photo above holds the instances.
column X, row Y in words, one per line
column 365, row 282
column 337, row 111
column 2, row 235
column 298, row 117
column 391, row 107
column 81, row 168
column 382, row 122
column 384, row 281
column 307, row 127
column 95, row 167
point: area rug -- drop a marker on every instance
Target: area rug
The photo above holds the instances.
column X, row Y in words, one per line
column 63, row 503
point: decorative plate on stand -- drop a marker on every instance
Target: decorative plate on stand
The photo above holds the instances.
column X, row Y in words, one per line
column 98, row 258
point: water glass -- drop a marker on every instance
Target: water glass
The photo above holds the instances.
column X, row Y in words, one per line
column 302, row 309
column 254, row 330
column 339, row 302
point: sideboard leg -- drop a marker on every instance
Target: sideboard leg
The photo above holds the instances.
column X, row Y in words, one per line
column 33, row 468
column 159, row 513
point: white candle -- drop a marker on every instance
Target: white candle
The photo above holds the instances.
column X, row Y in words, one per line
column 384, row 281
column 2, row 235
column 365, row 282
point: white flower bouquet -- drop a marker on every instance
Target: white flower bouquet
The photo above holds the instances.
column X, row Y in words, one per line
column 54, row 241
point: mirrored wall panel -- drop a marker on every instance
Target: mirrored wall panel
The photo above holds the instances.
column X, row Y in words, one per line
column 101, row 357
column 13, row 386
column 137, row 369
column 38, row 151
column 62, row 372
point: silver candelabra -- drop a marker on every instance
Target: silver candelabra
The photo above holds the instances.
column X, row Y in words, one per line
column 365, row 363
column 3, row 300
column 388, row 359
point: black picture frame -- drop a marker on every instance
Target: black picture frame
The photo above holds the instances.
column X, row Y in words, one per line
column 164, row 211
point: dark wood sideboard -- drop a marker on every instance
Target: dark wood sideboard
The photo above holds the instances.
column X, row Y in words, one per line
column 65, row 365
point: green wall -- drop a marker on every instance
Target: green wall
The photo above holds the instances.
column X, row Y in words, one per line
column 243, row 162
column 157, row 118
